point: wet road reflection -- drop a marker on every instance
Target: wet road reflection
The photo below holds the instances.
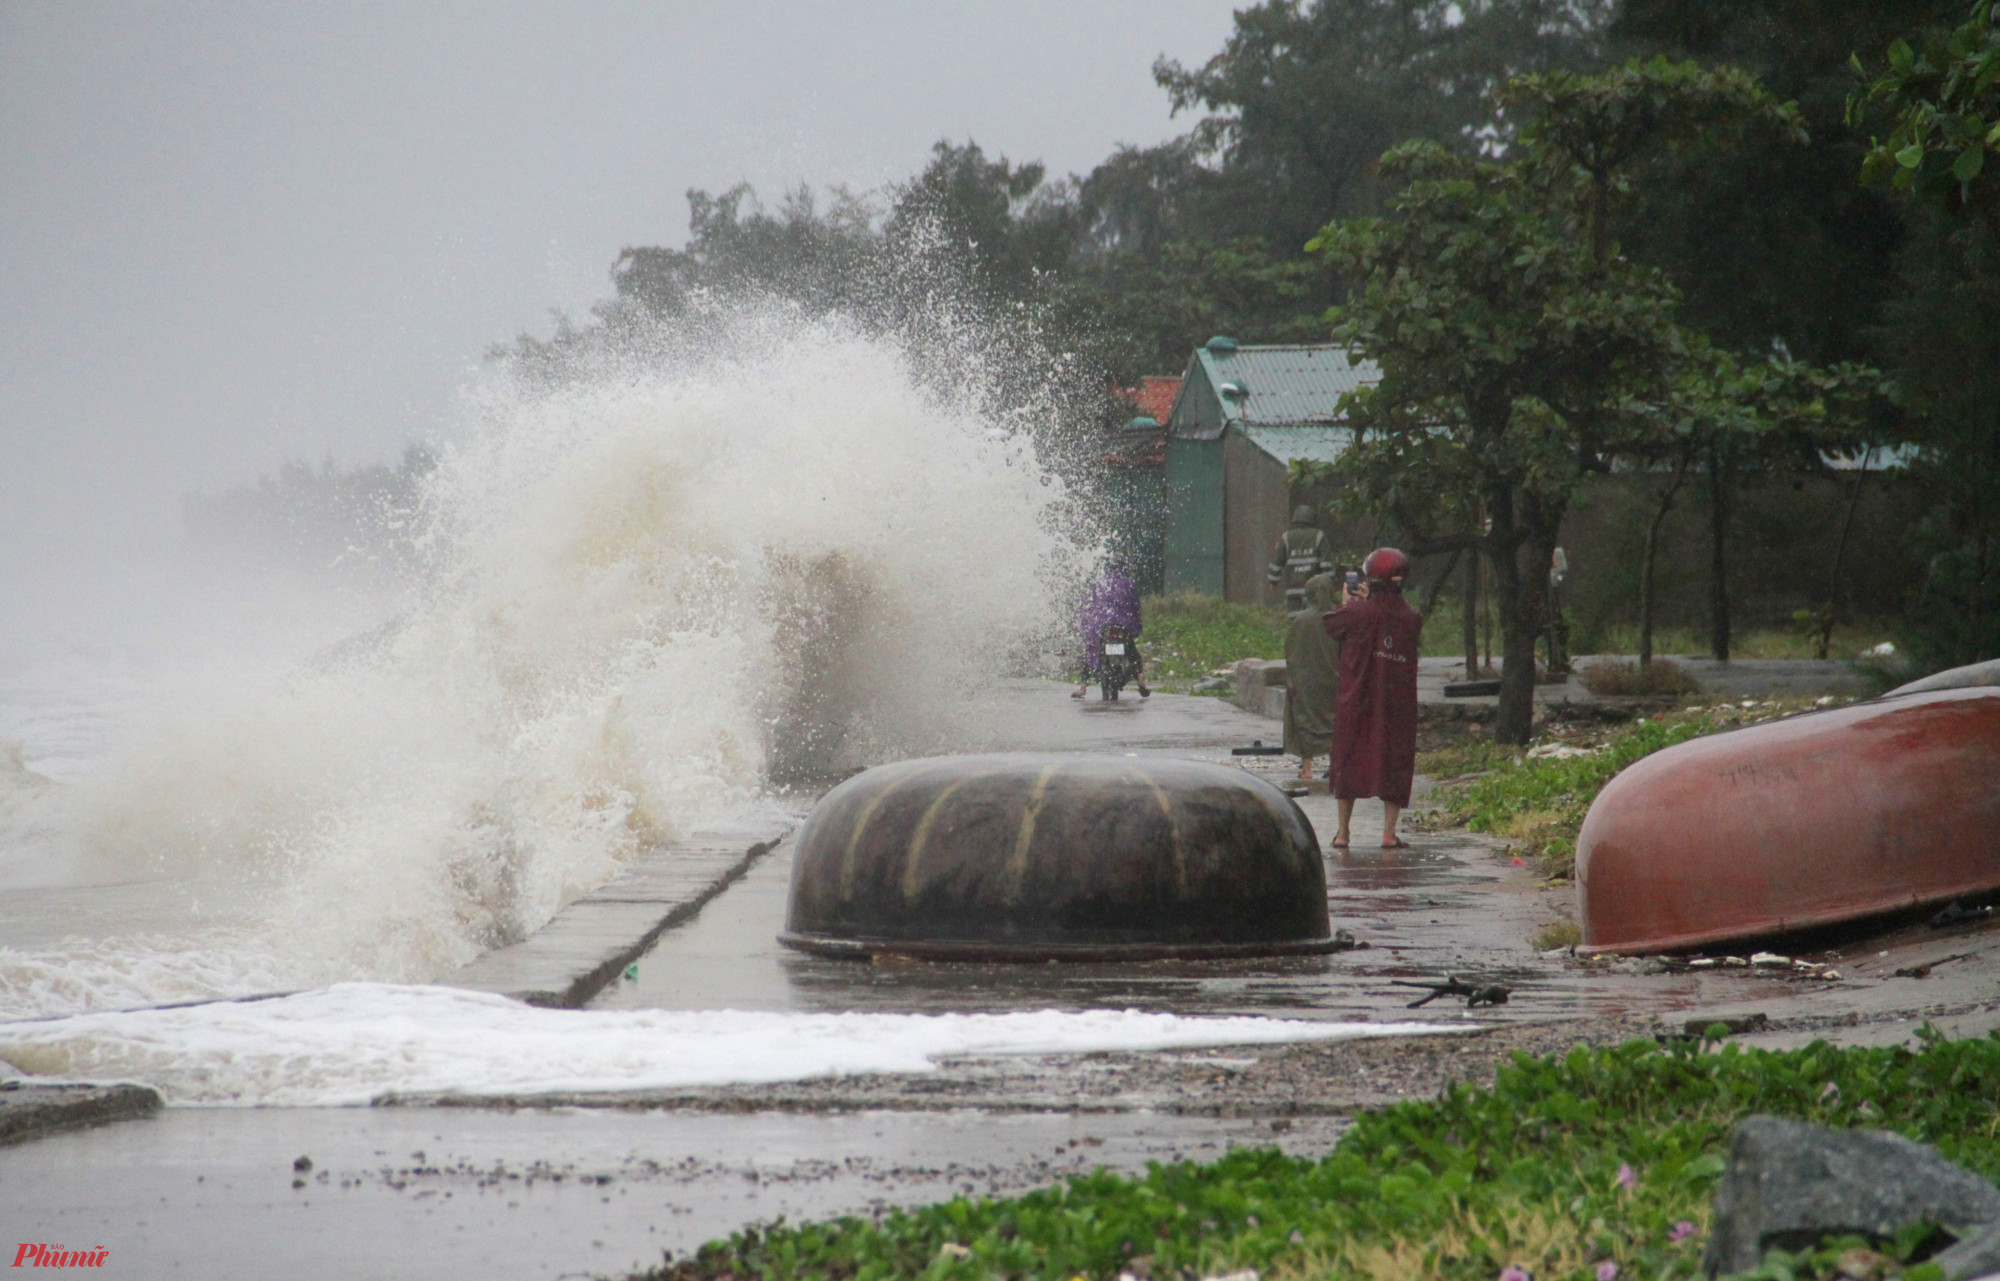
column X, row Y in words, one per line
column 1425, row 913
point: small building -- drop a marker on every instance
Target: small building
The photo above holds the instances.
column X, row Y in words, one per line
column 1243, row 416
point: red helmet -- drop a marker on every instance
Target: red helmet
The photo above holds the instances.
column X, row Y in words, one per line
column 1385, row 563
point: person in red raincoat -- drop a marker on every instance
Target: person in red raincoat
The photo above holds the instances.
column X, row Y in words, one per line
column 1375, row 724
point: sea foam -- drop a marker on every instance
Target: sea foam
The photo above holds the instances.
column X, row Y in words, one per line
column 356, row 1042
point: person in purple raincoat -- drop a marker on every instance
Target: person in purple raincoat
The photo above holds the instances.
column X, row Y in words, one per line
column 1111, row 601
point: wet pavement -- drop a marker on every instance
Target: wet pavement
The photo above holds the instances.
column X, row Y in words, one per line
column 1455, row 904
column 211, row 1191
column 529, row 1196
column 1450, row 905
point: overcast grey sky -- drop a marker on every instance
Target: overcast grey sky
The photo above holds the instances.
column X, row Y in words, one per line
column 236, row 233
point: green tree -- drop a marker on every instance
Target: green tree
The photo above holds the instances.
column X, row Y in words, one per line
column 801, row 251
column 1766, row 238
column 1201, row 235
column 1305, row 96
column 1504, row 348
column 1600, row 128
column 1520, row 349
column 1770, row 415
column 1941, row 101
column 1007, row 225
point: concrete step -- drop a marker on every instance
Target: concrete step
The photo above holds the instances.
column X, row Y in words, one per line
column 587, row 944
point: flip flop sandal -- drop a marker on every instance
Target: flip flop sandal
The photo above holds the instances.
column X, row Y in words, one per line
column 1400, row 844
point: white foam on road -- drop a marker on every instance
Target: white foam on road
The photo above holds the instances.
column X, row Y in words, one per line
column 355, row 1042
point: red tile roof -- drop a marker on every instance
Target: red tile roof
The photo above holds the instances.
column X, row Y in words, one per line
column 1154, row 396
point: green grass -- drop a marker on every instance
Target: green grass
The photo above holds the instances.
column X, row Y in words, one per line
column 1848, row 642
column 1443, row 636
column 1539, row 803
column 1565, row 1163
column 1189, row 636
column 1468, row 756
column 1561, row 932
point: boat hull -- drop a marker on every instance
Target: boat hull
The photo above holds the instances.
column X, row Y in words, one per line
column 1796, row 824
column 1057, row 857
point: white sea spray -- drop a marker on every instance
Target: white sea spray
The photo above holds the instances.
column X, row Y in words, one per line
column 646, row 592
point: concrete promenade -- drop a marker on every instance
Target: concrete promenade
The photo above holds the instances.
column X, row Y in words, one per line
column 547, row 1186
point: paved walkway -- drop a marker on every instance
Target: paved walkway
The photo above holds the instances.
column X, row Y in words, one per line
column 600, row 1184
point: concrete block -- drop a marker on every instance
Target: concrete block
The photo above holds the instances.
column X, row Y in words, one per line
column 571, row 959
column 1253, row 677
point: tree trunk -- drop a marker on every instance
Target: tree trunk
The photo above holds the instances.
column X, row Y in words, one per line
column 1518, row 592
column 1649, row 558
column 1470, row 627
column 1522, row 544
column 1833, row 577
column 1436, row 588
column 1718, row 553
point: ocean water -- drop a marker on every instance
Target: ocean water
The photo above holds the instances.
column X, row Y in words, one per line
column 647, row 600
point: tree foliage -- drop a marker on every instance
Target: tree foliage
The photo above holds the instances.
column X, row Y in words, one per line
column 1304, row 97
column 1598, row 126
column 1627, row 138
column 1941, row 101
column 1768, row 239
column 1519, row 350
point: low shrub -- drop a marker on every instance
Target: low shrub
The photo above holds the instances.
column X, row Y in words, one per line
column 1662, row 676
column 1561, row 932
column 1564, row 1165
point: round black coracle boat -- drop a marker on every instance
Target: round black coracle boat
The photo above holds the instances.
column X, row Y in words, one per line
column 1047, row 857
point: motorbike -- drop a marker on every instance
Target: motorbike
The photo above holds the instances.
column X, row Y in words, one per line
column 1118, row 663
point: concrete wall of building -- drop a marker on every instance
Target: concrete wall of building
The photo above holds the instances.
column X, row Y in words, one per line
column 1255, row 511
column 1781, row 551
column 1193, row 559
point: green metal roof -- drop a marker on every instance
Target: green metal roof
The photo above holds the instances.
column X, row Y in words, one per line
column 1314, row 443
column 1276, row 386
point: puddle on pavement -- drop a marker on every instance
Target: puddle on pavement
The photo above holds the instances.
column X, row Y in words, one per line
column 1364, row 869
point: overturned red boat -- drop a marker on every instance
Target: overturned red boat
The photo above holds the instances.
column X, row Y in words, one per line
column 1810, row 821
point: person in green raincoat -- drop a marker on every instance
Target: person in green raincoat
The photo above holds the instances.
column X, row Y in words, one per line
column 1312, row 675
